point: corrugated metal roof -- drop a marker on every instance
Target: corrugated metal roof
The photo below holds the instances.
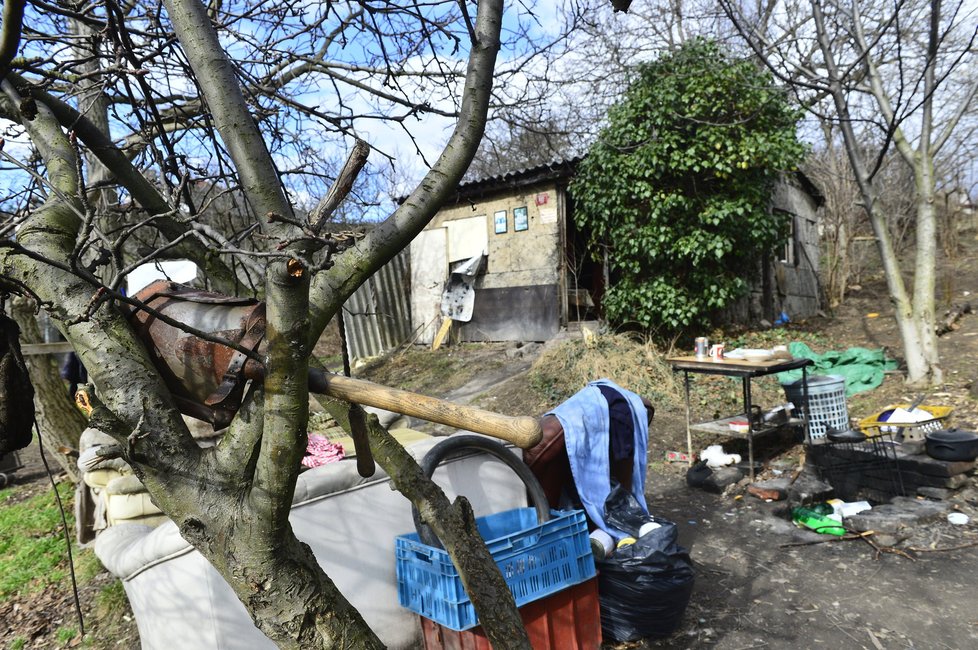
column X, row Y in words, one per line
column 555, row 169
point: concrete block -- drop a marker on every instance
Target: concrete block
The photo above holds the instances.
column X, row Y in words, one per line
column 721, row 478
column 806, row 488
column 924, row 464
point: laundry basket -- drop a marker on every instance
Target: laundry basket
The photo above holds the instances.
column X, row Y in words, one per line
column 878, row 423
column 826, row 406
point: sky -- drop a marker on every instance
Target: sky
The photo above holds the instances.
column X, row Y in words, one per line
column 431, row 131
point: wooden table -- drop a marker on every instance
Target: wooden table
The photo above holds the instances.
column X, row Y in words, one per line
column 746, row 370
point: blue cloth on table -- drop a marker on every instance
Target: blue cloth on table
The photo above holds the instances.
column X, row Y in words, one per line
column 585, row 418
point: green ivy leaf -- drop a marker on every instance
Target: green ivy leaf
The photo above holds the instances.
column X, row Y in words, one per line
column 679, row 184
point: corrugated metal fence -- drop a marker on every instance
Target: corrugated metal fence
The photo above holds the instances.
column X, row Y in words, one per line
column 378, row 315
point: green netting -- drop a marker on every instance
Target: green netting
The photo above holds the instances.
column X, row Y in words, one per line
column 862, row 368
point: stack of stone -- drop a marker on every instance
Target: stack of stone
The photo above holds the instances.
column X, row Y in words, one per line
column 930, row 477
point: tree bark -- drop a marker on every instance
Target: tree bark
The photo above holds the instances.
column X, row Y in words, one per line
column 58, row 419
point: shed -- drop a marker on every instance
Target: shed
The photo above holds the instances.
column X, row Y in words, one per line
column 538, row 274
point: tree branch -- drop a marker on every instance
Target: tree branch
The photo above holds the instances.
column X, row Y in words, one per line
column 221, row 90
column 141, row 189
column 13, row 20
column 49, row 233
column 286, row 388
column 332, row 288
column 341, row 187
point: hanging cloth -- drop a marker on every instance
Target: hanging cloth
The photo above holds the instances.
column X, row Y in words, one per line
column 586, row 420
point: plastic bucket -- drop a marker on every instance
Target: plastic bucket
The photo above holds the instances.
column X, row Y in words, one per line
column 826, row 406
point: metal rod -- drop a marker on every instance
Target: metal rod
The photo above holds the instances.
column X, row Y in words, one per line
column 750, row 426
column 689, row 433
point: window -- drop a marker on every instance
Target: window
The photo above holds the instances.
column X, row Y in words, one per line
column 789, row 252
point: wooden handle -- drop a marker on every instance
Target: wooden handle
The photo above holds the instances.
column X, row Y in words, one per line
column 358, row 431
column 523, row 432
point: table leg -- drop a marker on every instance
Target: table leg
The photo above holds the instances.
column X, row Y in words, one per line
column 750, row 428
column 689, row 433
column 804, row 412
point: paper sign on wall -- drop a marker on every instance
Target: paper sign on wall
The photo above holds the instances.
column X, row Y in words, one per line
column 520, row 220
column 467, row 238
column 499, row 219
column 548, row 215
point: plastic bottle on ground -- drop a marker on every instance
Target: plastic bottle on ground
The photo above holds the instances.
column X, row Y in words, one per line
column 813, row 519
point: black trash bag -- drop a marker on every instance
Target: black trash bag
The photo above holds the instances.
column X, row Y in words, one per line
column 643, row 587
column 16, row 391
column 623, row 511
column 698, row 474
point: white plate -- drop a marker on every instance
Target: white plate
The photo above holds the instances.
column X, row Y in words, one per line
column 750, row 354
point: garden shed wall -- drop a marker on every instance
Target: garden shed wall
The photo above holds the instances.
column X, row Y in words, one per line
column 518, row 295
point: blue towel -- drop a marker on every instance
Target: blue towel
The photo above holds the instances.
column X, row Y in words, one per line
column 585, row 420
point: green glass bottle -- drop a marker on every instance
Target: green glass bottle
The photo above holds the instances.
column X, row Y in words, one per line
column 811, row 518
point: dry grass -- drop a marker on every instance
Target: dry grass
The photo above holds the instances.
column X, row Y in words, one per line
column 628, row 360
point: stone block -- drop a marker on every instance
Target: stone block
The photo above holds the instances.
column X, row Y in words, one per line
column 804, row 489
column 924, row 464
column 899, row 515
column 934, row 492
column 914, row 480
column 721, row 478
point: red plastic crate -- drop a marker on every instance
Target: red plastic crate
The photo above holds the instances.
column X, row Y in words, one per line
column 567, row 620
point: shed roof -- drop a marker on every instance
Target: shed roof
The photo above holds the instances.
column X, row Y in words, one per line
column 554, row 170
column 563, row 168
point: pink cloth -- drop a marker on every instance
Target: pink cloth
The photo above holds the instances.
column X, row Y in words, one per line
column 321, row 451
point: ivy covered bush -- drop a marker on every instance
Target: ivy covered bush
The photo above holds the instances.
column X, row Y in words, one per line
column 678, row 185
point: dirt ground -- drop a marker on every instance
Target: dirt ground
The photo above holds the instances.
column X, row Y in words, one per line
column 752, row 591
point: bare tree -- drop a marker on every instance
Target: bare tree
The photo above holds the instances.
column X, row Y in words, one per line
column 905, row 71
column 841, row 223
column 241, row 98
column 562, row 94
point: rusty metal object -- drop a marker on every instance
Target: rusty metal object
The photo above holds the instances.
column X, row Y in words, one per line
column 206, row 378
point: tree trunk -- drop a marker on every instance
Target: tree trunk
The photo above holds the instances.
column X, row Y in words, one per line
column 925, row 316
column 59, row 421
column 93, row 104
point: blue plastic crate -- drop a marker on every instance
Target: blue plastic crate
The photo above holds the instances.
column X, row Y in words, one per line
column 535, row 559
